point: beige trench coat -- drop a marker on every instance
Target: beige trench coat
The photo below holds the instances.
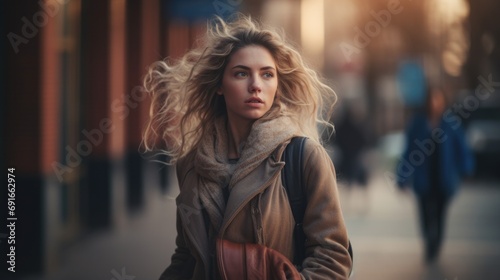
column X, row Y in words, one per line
column 258, row 211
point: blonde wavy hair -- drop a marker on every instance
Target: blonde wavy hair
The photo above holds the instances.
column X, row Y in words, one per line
column 184, row 92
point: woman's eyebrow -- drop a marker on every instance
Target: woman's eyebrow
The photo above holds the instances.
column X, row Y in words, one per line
column 248, row 68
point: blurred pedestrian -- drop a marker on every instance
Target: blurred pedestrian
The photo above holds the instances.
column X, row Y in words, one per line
column 436, row 157
column 229, row 108
column 351, row 140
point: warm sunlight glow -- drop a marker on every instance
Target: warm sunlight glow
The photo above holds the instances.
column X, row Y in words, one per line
column 450, row 10
column 446, row 21
column 313, row 29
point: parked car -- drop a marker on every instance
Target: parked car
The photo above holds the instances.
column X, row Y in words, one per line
column 483, row 134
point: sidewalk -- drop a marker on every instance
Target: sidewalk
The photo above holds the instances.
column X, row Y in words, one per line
column 139, row 250
column 382, row 224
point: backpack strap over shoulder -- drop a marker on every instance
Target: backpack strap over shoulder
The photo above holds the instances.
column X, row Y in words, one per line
column 291, row 177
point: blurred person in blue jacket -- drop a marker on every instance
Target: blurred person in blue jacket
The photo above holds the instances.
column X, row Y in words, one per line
column 436, row 157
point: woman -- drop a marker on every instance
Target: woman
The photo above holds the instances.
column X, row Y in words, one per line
column 435, row 158
column 226, row 112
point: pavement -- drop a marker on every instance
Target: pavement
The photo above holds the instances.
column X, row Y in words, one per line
column 384, row 230
column 382, row 224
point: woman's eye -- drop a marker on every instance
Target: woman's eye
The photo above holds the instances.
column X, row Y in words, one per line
column 268, row 75
column 240, row 74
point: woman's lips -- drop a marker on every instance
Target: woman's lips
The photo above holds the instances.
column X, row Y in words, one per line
column 254, row 100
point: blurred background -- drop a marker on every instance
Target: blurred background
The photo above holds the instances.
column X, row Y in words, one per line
column 89, row 205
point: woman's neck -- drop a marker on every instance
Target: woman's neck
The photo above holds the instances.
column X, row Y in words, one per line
column 237, row 134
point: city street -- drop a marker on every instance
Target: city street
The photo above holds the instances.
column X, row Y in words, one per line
column 97, row 95
column 382, row 224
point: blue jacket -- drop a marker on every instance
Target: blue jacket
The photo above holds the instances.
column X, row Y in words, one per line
column 455, row 158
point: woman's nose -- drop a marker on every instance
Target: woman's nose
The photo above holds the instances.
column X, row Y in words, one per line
column 255, row 85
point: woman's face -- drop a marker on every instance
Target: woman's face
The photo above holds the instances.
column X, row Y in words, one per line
column 249, row 84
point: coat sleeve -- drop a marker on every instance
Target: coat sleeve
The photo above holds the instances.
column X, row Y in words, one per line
column 327, row 256
column 182, row 262
column 404, row 172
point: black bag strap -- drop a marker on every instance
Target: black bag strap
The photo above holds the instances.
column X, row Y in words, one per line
column 291, row 177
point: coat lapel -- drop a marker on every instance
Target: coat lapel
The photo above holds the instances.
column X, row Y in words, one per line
column 249, row 187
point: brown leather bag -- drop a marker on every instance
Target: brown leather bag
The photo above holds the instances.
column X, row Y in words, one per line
column 252, row 261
